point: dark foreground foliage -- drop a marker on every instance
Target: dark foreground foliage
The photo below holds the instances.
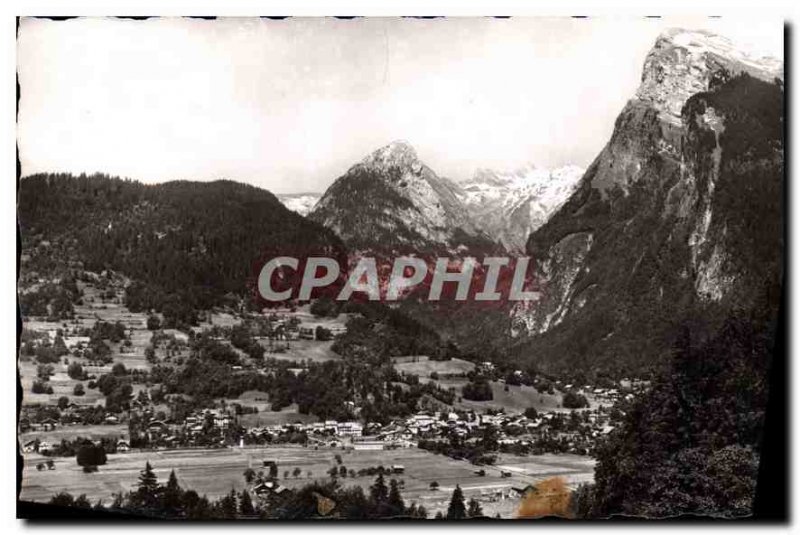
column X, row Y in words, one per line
column 690, row 445
column 320, row 499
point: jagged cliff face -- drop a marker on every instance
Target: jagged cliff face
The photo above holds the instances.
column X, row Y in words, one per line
column 392, row 202
column 680, row 212
column 683, row 63
column 511, row 205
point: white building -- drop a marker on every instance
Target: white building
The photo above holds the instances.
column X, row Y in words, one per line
column 421, row 420
column 368, row 445
column 349, row 429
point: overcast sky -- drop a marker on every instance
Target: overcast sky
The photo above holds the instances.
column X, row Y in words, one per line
column 290, row 105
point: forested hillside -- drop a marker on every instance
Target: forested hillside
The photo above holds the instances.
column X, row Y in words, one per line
column 186, row 245
column 692, row 444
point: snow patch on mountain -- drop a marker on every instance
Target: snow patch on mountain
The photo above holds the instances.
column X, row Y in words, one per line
column 512, row 204
column 685, row 62
column 302, row 203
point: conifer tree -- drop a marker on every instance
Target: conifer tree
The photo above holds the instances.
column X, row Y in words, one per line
column 456, row 510
column 396, row 505
column 474, row 508
column 227, row 505
column 246, row 504
column 200, row 509
column 171, row 497
column 117, row 500
column 147, row 488
column 378, row 491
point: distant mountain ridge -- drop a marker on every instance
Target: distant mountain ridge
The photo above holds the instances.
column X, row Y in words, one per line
column 393, row 198
column 512, row 204
column 302, row 203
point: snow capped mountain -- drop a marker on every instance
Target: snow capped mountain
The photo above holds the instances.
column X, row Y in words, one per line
column 302, row 203
column 684, row 62
column 393, row 201
column 511, row 205
column 678, row 217
column 391, row 193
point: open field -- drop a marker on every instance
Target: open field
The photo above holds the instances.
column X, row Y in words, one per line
column 300, row 350
column 135, row 324
column 309, row 320
column 215, row 472
column 516, row 400
column 422, row 366
column 62, row 385
column 221, row 319
column 288, row 415
column 265, row 415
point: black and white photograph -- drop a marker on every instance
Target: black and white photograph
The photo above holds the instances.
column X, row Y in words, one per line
column 421, row 268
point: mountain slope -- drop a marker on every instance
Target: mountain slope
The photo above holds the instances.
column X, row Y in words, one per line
column 511, row 205
column 392, row 202
column 678, row 213
column 186, row 242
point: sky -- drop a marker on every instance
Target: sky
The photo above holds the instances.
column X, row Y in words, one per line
column 290, row 105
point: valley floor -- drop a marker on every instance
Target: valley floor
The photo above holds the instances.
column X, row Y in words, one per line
column 215, row 472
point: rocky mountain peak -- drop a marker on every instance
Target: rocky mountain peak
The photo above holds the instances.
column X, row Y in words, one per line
column 391, row 200
column 398, row 153
column 685, row 62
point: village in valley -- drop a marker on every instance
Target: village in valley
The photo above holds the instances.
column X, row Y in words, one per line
column 102, row 377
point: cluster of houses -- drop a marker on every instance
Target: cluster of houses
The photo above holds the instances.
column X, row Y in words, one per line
column 329, row 433
column 289, row 328
column 44, row 447
column 219, row 428
column 72, row 414
column 511, row 429
column 216, row 427
column 203, row 423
